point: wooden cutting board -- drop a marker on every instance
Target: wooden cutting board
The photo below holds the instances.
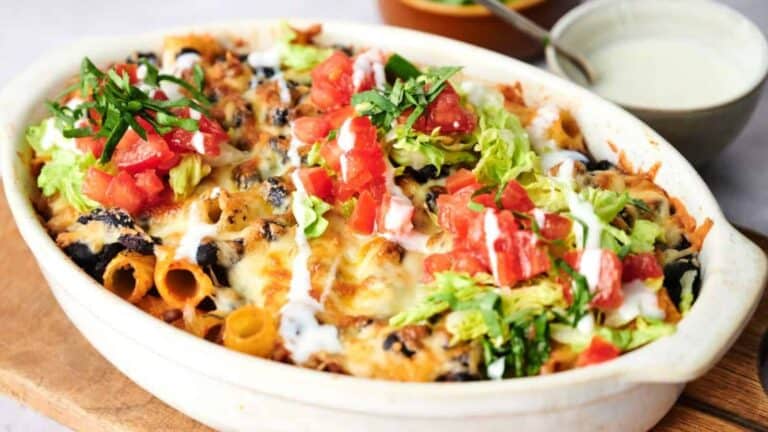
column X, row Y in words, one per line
column 46, row 364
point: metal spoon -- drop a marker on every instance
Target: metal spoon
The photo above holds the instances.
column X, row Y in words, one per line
column 537, row 32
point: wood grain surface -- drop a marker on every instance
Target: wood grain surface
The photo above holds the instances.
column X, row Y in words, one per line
column 46, row 364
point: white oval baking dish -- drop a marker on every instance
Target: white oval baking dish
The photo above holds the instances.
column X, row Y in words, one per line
column 231, row 391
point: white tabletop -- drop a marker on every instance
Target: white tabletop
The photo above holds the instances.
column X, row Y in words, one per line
column 29, row 28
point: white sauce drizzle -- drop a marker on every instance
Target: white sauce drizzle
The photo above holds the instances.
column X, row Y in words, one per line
column 302, row 333
column 397, row 220
column 590, row 265
column 176, row 67
column 481, row 95
column 552, row 158
column 197, row 230
column 539, row 129
column 492, row 233
column 52, row 137
column 586, row 324
column 198, row 142
column 639, row 300
column 346, row 142
column 271, row 58
column 540, row 216
column 496, row 369
column 366, row 63
column 194, row 114
column 585, row 213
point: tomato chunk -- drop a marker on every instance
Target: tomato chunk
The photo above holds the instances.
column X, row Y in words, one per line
column 458, row 261
column 128, row 69
column 555, row 227
column 598, row 351
column 332, row 82
column 95, row 185
column 461, row 179
column 124, row 193
column 149, row 182
column 607, row 294
column 134, row 154
column 311, row 129
column 92, row 144
column 446, row 113
column 516, row 198
column 363, row 218
column 317, row 182
column 641, row 266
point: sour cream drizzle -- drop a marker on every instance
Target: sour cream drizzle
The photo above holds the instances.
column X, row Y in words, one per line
column 346, row 143
column 271, row 58
column 302, row 333
column 368, row 62
column 590, row 265
column 540, row 126
column 492, row 233
column 639, row 300
column 197, row 230
column 397, row 221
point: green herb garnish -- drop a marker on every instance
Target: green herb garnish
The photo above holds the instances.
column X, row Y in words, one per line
column 383, row 106
column 117, row 103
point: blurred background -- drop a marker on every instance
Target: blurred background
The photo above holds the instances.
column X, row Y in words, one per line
column 31, row 28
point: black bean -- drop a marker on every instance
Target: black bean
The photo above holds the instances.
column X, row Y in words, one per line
column 270, row 230
column 674, row 271
column 277, row 194
column 346, row 49
column 207, row 254
column 424, row 174
column 214, row 334
column 207, row 304
column 187, row 50
column 280, row 116
column 602, row 165
column 457, row 377
column 393, row 342
column 150, row 57
column 431, row 197
column 137, row 243
column 112, row 217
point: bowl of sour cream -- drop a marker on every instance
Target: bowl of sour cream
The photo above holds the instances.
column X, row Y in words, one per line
column 692, row 69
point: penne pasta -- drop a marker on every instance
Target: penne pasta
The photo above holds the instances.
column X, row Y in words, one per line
column 130, row 275
column 180, row 282
column 250, row 330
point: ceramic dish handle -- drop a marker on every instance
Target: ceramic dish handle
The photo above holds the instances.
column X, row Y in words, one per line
column 714, row 322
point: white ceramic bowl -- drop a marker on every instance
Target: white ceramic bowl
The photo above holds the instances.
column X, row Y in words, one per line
column 699, row 131
column 231, row 391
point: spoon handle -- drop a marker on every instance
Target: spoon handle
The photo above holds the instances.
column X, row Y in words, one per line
column 539, row 33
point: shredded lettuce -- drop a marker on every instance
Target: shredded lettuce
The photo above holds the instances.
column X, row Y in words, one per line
column 466, row 325
column 448, row 289
column 644, row 235
column 314, row 158
column 546, row 193
column 646, row 331
column 309, row 215
column 417, row 150
column 300, row 58
column 532, row 299
column 505, row 151
column 686, row 292
column 187, row 174
column 607, row 203
column 64, row 173
column 569, row 335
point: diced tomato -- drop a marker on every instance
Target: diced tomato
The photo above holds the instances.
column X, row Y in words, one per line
column 212, row 127
column 332, row 82
column 337, row 117
column 311, row 129
column 331, row 153
column 641, row 266
column 459, row 261
column 598, row 351
column 446, row 113
column 454, row 214
column 363, row 217
column 124, row 193
column 516, row 198
column 365, row 166
column 159, row 95
column 95, row 185
column 317, row 182
column 134, row 154
column 520, row 257
column 129, row 69
column 149, row 182
column 607, row 294
column 555, row 227
column 92, row 144
column 461, row 179
column 183, row 141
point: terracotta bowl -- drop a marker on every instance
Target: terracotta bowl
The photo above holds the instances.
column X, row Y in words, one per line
column 474, row 24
